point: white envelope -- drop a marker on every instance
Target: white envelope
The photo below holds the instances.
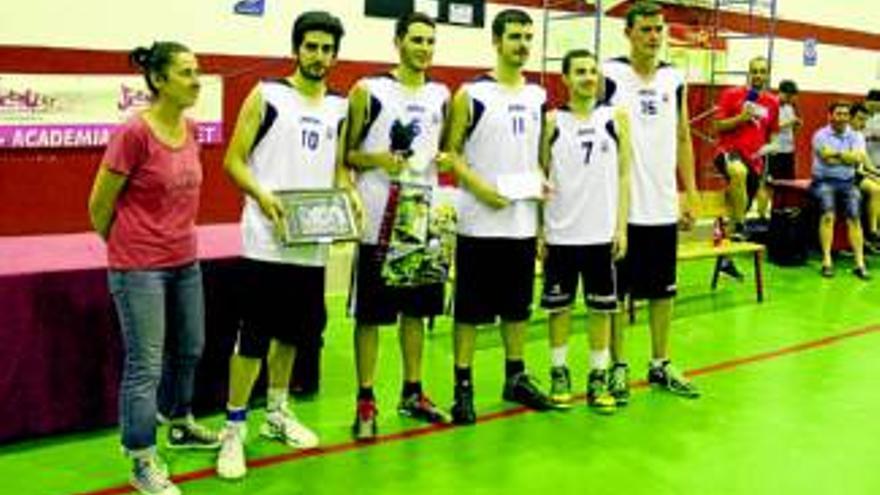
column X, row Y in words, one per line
column 520, row 186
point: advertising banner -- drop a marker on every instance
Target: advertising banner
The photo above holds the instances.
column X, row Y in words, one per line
column 81, row 111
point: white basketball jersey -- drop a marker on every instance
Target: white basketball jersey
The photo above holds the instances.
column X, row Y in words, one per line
column 653, row 108
column 424, row 111
column 295, row 148
column 503, row 138
column 584, row 175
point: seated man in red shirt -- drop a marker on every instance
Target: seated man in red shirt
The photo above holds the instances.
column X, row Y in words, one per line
column 746, row 119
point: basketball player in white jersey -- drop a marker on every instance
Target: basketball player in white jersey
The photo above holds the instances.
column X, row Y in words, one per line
column 495, row 126
column 654, row 94
column 288, row 136
column 404, row 99
column 586, row 153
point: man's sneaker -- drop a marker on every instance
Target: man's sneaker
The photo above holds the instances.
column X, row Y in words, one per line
column 861, row 272
column 728, row 267
column 230, row 461
column 283, row 426
column 420, row 407
column 191, row 435
column 618, row 383
column 668, row 378
column 463, row 412
column 598, row 396
column 560, row 386
column 827, row 271
column 364, row 428
column 521, row 388
column 150, row 477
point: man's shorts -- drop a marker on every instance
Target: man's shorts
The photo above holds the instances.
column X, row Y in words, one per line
column 753, row 180
column 593, row 264
column 834, row 192
column 280, row 301
column 648, row 270
column 495, row 278
column 373, row 302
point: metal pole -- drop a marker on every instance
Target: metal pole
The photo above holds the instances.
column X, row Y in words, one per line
column 544, row 42
column 597, row 37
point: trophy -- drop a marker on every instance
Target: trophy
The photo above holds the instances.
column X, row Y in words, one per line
column 415, row 248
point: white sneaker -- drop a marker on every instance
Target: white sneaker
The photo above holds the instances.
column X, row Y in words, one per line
column 150, row 477
column 231, row 461
column 283, row 426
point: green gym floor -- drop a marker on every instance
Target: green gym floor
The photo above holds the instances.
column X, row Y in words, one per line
column 790, row 406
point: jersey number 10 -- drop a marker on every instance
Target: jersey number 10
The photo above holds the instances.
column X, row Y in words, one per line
column 310, row 139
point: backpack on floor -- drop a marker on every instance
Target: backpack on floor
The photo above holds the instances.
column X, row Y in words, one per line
column 788, row 237
column 758, row 230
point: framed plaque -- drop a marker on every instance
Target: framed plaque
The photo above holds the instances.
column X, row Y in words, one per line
column 317, row 216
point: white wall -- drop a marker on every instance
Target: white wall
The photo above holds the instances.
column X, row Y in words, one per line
column 209, row 26
column 858, row 15
column 839, row 69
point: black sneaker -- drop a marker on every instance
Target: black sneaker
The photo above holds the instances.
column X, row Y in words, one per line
column 598, row 397
column 191, row 435
column 827, row 271
column 727, row 267
column 463, row 412
column 666, row 377
column 522, row 389
column 420, row 407
column 618, row 383
column 365, row 428
column 861, row 272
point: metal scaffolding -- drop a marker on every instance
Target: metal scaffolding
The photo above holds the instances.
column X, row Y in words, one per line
column 730, row 21
column 743, row 20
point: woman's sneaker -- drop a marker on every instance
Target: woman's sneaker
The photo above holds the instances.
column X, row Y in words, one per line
column 231, row 459
column 149, row 476
column 191, row 435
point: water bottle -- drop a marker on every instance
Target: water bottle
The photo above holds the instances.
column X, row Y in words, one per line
column 718, row 232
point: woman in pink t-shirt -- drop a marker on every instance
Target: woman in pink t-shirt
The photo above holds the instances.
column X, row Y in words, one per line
column 144, row 203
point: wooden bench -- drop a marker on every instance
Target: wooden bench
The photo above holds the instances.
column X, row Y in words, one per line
column 702, row 249
column 695, row 250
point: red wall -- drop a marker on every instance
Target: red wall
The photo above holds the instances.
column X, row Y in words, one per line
column 45, row 191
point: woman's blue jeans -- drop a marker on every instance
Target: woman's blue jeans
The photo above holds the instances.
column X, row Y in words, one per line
column 162, row 317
